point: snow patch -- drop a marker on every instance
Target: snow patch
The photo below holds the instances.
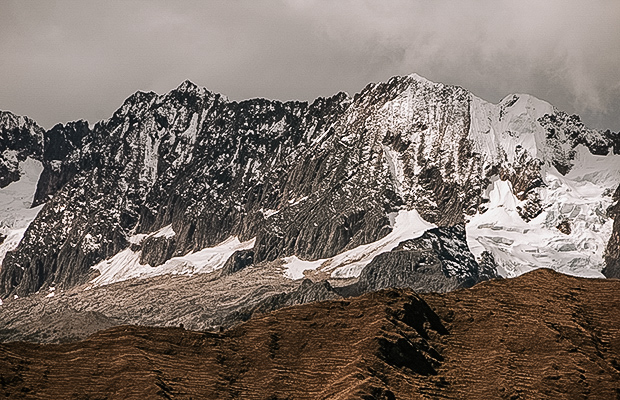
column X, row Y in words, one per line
column 126, row 264
column 407, row 225
column 268, row 213
column 294, row 267
column 294, row 202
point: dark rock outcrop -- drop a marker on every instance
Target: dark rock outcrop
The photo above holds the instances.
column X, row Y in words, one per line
column 307, row 292
column 238, row 261
column 156, row 250
column 437, row 261
column 612, row 252
column 62, row 158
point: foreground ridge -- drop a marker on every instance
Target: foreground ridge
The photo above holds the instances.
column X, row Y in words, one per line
column 541, row 335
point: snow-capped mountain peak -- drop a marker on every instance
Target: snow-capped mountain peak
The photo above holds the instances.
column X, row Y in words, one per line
column 305, row 183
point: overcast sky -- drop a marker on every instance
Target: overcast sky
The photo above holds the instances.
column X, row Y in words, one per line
column 68, row 60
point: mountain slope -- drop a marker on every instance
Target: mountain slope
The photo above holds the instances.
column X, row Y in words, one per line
column 175, row 183
column 542, row 335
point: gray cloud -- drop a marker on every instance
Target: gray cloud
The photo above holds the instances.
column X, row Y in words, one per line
column 65, row 60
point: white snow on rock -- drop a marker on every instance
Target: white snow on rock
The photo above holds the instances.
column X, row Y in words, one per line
column 295, row 267
column 268, row 213
column 421, row 79
column 395, row 165
column 497, row 130
column 126, row 264
column 166, row 232
column 294, row 202
column 15, row 202
column 581, row 197
column 430, row 120
column 349, row 264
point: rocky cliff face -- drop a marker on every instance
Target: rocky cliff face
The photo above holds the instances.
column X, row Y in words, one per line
column 62, row 149
column 189, row 158
column 311, row 181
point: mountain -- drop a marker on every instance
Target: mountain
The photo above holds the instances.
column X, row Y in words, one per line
column 542, row 335
column 408, row 183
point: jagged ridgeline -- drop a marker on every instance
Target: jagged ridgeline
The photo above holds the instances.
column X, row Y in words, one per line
column 175, row 174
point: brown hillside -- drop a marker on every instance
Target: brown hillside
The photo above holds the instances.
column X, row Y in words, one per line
column 542, row 335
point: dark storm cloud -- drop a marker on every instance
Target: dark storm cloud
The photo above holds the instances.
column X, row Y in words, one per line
column 65, row 60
